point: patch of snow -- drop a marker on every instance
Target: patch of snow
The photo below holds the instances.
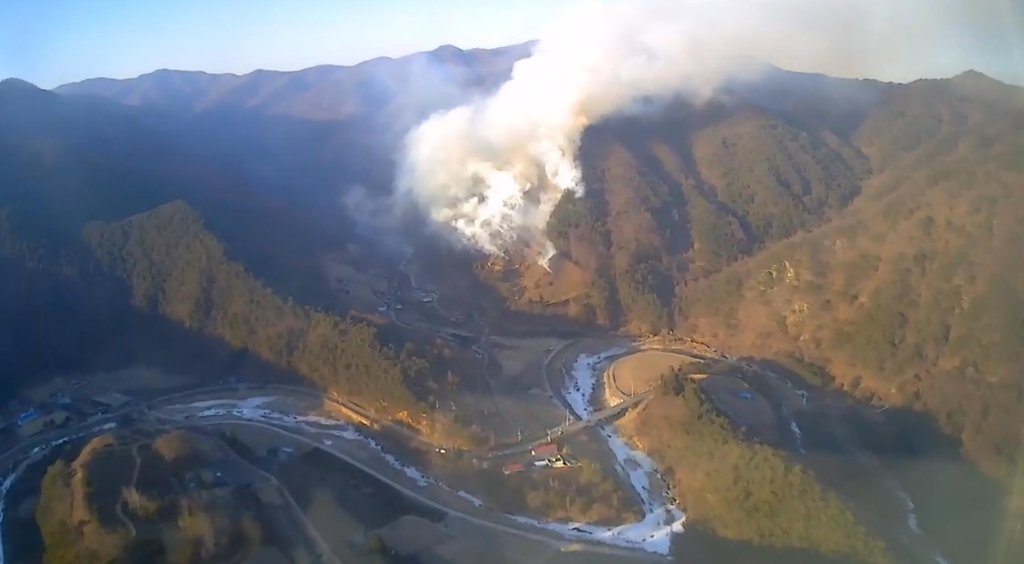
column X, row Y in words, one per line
column 472, row 499
column 797, row 436
column 4, row 487
column 634, row 465
column 652, row 534
column 580, row 387
column 908, row 503
column 911, row 514
column 417, row 476
column 661, row 521
column 310, row 423
column 250, row 403
column 209, row 403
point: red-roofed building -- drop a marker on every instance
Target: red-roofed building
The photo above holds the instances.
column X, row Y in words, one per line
column 545, row 451
column 513, row 468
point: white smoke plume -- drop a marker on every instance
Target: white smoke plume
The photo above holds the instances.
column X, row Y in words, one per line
column 493, row 170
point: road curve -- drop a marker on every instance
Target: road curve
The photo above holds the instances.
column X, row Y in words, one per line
column 557, row 541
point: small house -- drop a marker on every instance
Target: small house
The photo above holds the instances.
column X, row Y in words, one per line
column 545, row 451
column 513, row 468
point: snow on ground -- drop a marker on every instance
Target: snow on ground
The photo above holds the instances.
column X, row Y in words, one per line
column 911, row 514
column 310, row 423
column 580, row 387
column 6, row 485
column 246, row 403
column 660, row 521
column 652, row 534
column 797, row 436
column 908, row 503
column 472, row 499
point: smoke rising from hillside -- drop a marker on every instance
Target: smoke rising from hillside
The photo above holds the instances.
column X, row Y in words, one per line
column 494, row 170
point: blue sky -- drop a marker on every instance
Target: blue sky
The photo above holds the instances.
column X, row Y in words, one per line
column 50, row 42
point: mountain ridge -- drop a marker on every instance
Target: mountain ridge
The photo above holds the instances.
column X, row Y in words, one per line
column 864, row 231
column 256, row 90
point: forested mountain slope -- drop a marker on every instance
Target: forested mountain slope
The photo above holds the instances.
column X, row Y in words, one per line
column 83, row 287
column 674, row 198
column 915, row 294
column 174, row 267
column 68, row 160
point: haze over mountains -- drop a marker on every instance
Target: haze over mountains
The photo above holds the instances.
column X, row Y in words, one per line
column 865, row 234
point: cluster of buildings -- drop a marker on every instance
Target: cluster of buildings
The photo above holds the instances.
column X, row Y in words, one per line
column 61, row 410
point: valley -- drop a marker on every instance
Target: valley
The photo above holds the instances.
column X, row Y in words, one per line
column 779, row 323
column 538, row 391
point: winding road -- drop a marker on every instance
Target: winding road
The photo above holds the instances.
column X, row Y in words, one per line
column 495, row 522
column 477, row 516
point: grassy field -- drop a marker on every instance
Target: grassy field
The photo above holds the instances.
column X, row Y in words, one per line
column 642, row 370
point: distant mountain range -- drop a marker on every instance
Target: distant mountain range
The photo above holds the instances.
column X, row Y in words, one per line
column 866, row 234
column 423, row 81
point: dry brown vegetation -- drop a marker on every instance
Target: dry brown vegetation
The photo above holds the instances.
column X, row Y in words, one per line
column 911, row 297
column 641, row 371
column 174, row 446
column 71, row 530
column 139, row 503
column 870, row 233
column 79, row 519
column 585, row 494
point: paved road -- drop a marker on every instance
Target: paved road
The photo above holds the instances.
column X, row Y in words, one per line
column 555, row 540
column 414, row 438
column 576, row 426
column 322, row 547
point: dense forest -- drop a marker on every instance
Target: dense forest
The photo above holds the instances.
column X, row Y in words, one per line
column 866, row 233
column 781, row 505
column 673, row 201
column 84, row 290
column 877, row 244
column 158, row 289
column 176, row 268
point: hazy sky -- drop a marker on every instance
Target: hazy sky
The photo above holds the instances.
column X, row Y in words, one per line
column 50, row 42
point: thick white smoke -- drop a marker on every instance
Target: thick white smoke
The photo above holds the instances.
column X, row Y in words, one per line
column 493, row 170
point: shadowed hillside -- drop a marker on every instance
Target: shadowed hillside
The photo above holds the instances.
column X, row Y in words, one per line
column 709, row 465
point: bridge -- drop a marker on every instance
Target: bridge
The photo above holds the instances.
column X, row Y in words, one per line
column 576, row 426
